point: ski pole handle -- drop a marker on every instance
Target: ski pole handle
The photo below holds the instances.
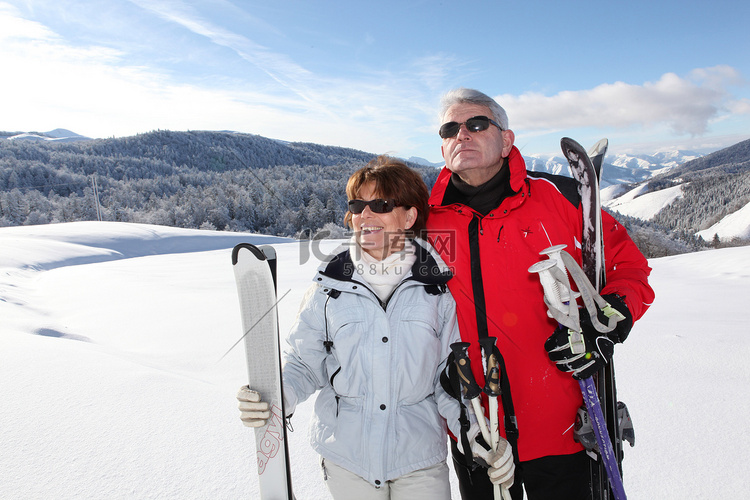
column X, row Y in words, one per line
column 553, row 253
column 561, row 305
column 470, row 387
column 463, row 364
column 492, row 375
column 549, row 284
column 492, row 386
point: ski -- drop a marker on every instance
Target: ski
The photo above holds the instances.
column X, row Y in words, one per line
column 586, row 169
column 604, row 381
column 255, row 276
column 597, row 152
column 615, row 412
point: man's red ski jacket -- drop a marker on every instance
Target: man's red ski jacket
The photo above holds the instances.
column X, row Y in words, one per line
column 496, row 295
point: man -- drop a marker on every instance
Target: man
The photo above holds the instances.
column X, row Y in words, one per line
column 489, row 219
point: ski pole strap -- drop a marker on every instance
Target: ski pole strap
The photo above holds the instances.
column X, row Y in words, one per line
column 477, row 281
column 510, row 421
column 449, row 379
column 590, row 297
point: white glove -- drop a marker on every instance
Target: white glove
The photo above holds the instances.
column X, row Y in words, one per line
column 476, row 449
column 253, row 411
column 501, row 464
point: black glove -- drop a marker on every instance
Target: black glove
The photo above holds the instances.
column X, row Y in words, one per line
column 585, row 357
column 621, row 331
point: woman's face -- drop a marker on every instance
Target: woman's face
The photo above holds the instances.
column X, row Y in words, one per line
column 381, row 234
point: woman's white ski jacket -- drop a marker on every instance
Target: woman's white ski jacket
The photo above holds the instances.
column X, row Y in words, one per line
column 381, row 411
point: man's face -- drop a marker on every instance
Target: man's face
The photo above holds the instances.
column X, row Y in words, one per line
column 475, row 156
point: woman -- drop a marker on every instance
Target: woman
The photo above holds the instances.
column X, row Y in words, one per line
column 373, row 336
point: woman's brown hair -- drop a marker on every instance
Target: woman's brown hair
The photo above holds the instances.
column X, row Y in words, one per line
column 393, row 181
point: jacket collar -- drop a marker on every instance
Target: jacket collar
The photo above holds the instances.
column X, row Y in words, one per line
column 428, row 269
column 515, row 163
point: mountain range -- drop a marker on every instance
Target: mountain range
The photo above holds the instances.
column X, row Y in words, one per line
column 687, row 193
column 710, row 189
column 57, row 135
column 620, row 168
column 708, row 196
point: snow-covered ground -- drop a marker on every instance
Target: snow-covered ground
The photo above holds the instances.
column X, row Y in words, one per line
column 643, row 206
column 115, row 383
column 734, row 225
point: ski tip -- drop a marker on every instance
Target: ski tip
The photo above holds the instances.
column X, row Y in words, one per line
column 599, row 148
column 572, row 149
column 268, row 251
column 568, row 144
column 257, row 252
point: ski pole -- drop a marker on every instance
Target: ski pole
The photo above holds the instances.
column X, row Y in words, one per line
column 492, row 389
column 470, row 387
column 554, row 297
column 472, row 391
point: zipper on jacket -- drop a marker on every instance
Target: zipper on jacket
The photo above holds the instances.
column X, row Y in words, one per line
column 328, row 343
column 385, row 304
column 334, row 376
column 364, row 285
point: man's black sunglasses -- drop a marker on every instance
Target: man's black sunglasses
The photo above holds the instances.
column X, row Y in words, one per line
column 379, row 206
column 475, row 124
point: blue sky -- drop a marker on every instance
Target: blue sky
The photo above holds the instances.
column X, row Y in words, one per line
column 369, row 75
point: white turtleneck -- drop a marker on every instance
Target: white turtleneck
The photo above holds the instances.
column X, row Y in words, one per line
column 383, row 275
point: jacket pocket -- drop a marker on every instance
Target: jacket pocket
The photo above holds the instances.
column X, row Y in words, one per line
column 419, row 353
column 344, row 365
column 421, row 318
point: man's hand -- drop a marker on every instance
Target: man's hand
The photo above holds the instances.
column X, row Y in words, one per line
column 584, row 353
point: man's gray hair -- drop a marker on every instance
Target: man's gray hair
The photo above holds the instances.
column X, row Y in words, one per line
column 470, row 96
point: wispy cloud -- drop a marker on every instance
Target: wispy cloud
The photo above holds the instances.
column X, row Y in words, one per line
column 176, row 65
column 687, row 105
column 278, row 66
column 93, row 90
column 14, row 27
column 363, row 107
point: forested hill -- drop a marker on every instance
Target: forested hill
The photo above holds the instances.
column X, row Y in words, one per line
column 221, row 151
column 728, row 160
column 712, row 186
column 217, row 180
column 242, row 182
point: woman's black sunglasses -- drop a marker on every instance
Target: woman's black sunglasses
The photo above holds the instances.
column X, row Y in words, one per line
column 379, row 206
column 475, row 124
